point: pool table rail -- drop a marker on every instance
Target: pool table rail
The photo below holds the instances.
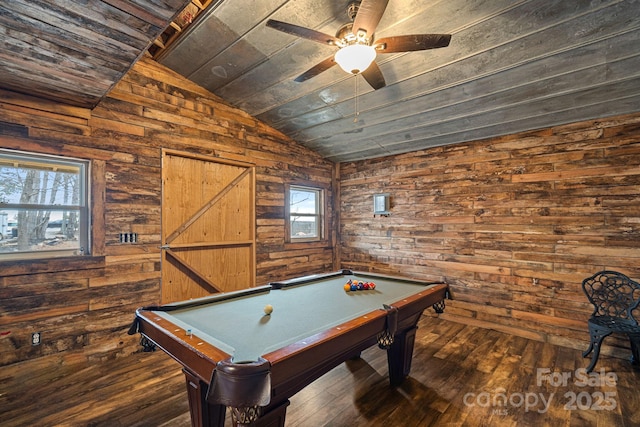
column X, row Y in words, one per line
column 186, row 348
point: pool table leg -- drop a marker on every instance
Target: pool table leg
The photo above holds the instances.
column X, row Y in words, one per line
column 203, row 414
column 274, row 417
column 399, row 355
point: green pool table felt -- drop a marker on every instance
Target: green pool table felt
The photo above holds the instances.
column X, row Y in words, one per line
column 240, row 327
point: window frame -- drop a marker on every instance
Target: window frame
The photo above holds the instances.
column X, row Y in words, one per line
column 83, row 208
column 321, row 216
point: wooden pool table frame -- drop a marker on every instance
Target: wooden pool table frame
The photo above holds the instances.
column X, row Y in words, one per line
column 294, row 366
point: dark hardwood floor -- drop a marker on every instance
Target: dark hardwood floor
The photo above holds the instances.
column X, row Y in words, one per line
column 461, row 376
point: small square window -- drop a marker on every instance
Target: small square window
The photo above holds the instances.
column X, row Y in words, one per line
column 305, row 213
column 43, row 206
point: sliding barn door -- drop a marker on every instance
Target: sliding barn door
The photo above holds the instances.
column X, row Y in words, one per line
column 208, row 226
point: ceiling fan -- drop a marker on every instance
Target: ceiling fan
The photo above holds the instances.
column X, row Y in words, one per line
column 358, row 49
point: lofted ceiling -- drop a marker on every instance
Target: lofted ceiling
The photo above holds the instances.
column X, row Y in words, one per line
column 511, row 65
column 75, row 51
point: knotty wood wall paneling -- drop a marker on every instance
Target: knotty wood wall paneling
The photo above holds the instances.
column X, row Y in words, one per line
column 84, row 307
column 513, row 223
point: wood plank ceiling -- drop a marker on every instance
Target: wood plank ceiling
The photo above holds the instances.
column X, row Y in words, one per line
column 511, row 65
column 75, row 51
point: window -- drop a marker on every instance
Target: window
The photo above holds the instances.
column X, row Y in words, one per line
column 43, row 206
column 306, row 213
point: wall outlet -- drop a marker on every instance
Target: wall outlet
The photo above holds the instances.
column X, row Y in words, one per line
column 128, row 237
column 35, row 338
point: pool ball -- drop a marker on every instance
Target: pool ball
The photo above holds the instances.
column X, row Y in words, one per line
column 365, row 286
column 360, row 286
column 268, row 309
column 347, row 287
column 372, row 285
column 354, row 287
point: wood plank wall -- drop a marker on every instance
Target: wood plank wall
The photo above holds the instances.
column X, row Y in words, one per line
column 83, row 308
column 513, row 224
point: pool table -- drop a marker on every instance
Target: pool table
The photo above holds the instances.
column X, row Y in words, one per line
column 235, row 356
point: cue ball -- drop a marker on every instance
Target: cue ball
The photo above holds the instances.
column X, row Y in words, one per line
column 268, row 309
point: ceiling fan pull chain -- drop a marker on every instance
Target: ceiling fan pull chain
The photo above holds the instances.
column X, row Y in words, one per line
column 355, row 116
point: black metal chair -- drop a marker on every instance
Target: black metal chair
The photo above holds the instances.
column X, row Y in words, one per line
column 614, row 297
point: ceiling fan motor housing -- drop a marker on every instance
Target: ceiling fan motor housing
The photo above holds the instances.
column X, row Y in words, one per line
column 352, row 9
column 357, row 49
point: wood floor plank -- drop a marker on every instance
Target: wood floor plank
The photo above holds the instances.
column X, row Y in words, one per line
column 459, row 375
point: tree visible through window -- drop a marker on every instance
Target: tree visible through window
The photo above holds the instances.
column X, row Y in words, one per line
column 305, row 213
column 43, row 205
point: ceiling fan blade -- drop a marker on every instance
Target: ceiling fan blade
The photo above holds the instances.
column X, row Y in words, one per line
column 306, row 33
column 373, row 76
column 316, row 69
column 369, row 14
column 412, row 43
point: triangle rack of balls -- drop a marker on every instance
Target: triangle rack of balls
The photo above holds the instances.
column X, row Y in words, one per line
column 359, row 285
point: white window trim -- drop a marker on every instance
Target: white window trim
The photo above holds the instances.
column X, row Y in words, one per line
column 320, row 215
column 83, row 206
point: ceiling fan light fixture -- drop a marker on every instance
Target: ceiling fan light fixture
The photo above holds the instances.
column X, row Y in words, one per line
column 355, row 58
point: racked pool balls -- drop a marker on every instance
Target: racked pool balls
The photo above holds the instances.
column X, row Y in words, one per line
column 359, row 285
